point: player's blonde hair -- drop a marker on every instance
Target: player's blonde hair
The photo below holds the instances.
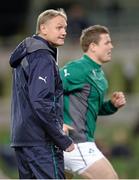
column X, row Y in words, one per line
column 47, row 15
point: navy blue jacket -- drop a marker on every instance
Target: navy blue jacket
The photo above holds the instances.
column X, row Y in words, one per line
column 37, row 110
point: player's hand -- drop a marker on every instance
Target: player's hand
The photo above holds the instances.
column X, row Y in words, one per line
column 118, row 99
column 67, row 128
column 70, row 148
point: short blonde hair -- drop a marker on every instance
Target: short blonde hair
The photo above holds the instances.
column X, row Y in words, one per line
column 47, row 15
column 92, row 34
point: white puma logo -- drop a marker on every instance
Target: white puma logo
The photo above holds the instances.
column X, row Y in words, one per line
column 66, row 73
column 43, row 79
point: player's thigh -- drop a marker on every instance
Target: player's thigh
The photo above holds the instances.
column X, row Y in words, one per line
column 101, row 169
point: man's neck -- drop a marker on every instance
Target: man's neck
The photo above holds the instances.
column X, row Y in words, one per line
column 93, row 57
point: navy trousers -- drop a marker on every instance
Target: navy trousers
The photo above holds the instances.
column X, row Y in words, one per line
column 43, row 162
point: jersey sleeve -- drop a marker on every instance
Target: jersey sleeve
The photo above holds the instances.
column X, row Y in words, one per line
column 107, row 108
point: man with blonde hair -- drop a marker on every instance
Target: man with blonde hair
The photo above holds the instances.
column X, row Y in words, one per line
column 85, row 86
column 37, row 109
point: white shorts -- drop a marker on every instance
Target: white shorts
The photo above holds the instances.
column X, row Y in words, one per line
column 84, row 155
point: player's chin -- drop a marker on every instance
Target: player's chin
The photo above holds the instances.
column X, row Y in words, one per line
column 108, row 58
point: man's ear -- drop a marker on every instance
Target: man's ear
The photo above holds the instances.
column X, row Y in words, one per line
column 43, row 29
column 92, row 47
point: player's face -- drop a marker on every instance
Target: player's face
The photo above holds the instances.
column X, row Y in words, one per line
column 54, row 31
column 103, row 49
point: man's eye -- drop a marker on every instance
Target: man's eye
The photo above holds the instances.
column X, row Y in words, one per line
column 59, row 27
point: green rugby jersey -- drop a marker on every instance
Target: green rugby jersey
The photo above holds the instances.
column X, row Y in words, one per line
column 84, row 86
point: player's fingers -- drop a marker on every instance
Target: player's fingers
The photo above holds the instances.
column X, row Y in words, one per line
column 119, row 103
column 67, row 127
column 70, row 148
column 119, row 95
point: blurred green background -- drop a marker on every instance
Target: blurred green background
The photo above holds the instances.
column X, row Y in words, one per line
column 117, row 135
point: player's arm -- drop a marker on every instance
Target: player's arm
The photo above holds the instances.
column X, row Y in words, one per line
column 109, row 107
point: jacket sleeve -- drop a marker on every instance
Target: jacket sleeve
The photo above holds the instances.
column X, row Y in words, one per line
column 42, row 97
column 107, row 108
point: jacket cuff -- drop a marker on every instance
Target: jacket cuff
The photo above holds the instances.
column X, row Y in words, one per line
column 66, row 143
